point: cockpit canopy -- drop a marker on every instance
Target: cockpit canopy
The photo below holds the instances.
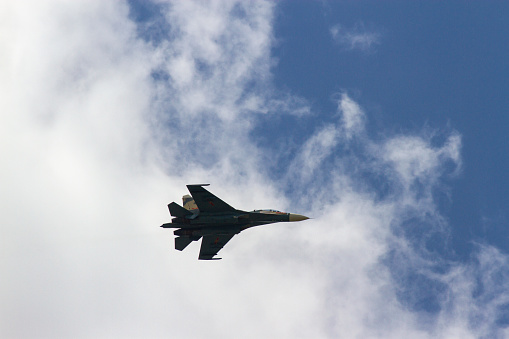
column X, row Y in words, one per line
column 268, row 211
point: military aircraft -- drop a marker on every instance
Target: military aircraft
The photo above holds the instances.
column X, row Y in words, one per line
column 205, row 215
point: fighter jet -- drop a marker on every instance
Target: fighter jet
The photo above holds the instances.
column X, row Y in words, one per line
column 206, row 216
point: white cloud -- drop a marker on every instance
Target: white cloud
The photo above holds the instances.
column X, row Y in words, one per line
column 417, row 165
column 357, row 38
column 93, row 146
column 352, row 116
column 326, row 141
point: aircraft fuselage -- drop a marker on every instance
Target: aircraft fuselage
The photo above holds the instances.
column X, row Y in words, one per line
column 240, row 218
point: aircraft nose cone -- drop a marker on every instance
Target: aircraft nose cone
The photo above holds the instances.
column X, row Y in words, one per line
column 297, row 217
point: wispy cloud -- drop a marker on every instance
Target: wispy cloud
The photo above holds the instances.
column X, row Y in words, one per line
column 325, row 141
column 356, row 38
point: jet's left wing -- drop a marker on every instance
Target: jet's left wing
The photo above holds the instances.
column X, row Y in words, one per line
column 211, row 244
column 208, row 202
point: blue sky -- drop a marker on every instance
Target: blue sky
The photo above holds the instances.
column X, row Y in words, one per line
column 439, row 65
column 383, row 121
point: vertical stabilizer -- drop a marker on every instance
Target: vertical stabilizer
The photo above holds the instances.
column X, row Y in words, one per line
column 189, row 203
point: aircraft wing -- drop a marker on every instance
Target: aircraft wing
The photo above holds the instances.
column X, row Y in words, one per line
column 211, row 244
column 208, row 202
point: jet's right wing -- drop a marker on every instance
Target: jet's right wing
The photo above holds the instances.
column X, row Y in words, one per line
column 208, row 202
column 211, row 244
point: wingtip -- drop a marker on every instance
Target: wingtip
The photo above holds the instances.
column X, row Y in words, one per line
column 209, row 258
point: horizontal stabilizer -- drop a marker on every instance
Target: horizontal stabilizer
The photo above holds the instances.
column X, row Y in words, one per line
column 182, row 242
column 178, row 211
